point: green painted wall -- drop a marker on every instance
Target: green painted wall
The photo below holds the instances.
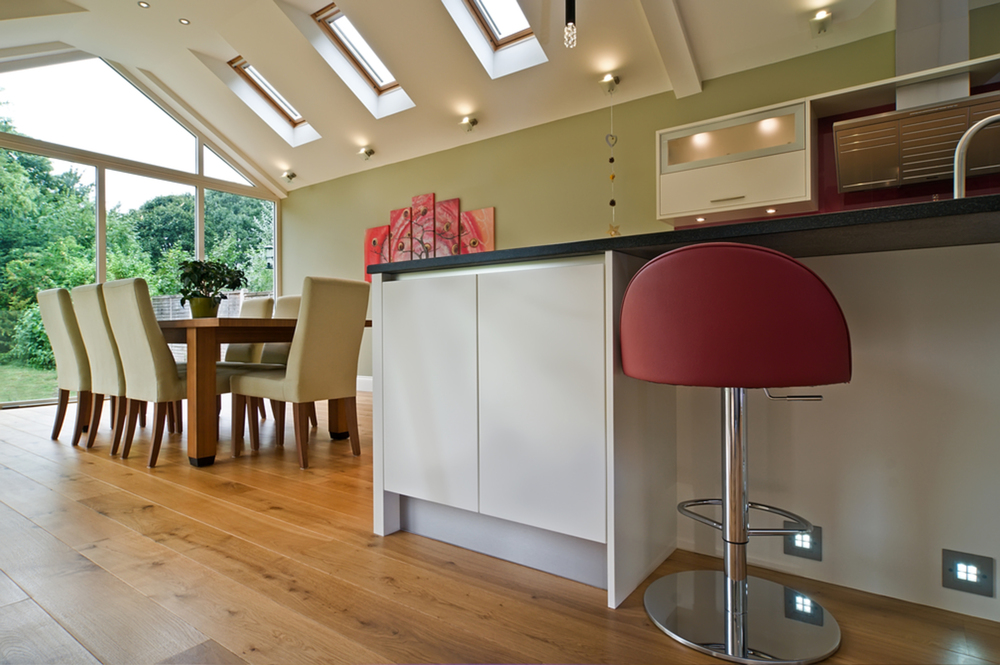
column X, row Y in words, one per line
column 984, row 31
column 550, row 183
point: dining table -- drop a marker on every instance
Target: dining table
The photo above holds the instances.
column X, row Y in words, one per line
column 204, row 338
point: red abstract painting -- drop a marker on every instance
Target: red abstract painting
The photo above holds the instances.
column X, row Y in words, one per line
column 376, row 247
column 476, row 231
column 400, row 235
column 446, row 228
column 422, row 223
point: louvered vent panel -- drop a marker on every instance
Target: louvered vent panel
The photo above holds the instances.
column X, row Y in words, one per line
column 868, row 156
column 984, row 150
column 928, row 144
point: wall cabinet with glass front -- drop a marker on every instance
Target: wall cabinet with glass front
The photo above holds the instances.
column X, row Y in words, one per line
column 738, row 167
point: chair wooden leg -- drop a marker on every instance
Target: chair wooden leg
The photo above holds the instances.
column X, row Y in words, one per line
column 179, row 416
column 120, row 408
column 60, row 412
column 239, row 411
column 351, row 406
column 300, row 417
column 142, row 414
column 311, row 409
column 261, row 409
column 112, row 412
column 170, row 416
column 159, row 416
column 82, row 414
column 254, row 425
column 97, row 405
column 278, row 409
column 135, row 407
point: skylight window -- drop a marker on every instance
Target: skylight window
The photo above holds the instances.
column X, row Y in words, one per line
column 502, row 21
column 268, row 91
column 340, row 29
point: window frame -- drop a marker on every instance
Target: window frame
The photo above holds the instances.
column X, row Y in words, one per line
column 276, row 100
column 323, row 18
column 495, row 41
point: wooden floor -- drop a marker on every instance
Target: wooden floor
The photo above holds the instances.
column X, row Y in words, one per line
column 254, row 560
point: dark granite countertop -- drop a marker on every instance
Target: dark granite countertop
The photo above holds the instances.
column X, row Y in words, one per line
column 968, row 221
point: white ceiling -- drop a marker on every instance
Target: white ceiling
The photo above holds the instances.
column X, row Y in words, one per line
column 642, row 41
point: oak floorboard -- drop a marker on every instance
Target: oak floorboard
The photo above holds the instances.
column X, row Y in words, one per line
column 244, row 622
column 111, row 620
column 258, row 561
column 30, row 636
column 391, row 629
column 209, row 652
column 10, row 592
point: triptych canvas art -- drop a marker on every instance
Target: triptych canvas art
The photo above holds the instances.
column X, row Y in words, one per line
column 429, row 229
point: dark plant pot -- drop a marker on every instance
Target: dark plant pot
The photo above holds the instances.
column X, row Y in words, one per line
column 203, row 308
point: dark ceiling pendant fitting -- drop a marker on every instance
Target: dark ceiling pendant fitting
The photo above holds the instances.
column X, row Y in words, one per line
column 569, row 34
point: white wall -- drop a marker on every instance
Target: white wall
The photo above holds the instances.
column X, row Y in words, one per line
column 901, row 462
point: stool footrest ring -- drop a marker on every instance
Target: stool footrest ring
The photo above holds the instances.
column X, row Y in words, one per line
column 803, row 525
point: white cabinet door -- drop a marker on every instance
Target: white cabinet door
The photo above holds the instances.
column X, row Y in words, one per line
column 542, row 435
column 429, row 387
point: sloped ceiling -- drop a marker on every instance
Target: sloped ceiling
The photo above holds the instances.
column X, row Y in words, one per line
column 645, row 42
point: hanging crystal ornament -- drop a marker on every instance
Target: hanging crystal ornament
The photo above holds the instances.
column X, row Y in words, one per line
column 612, row 139
column 569, row 33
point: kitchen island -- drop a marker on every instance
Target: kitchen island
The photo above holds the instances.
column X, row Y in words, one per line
column 503, row 423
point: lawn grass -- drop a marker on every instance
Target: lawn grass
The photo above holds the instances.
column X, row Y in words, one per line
column 26, row 383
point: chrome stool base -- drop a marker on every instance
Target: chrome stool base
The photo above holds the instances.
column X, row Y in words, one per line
column 781, row 625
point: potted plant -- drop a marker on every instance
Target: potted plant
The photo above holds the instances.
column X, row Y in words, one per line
column 203, row 282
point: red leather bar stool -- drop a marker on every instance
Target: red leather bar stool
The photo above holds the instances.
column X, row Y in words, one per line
column 736, row 317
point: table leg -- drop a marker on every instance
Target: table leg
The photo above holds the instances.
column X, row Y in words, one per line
column 337, row 419
column 202, row 349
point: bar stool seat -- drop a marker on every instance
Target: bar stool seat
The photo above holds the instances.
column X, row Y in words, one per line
column 736, row 317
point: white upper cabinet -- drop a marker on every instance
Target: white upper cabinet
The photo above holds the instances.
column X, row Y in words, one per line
column 737, row 167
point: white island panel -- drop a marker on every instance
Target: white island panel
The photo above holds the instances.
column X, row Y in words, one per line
column 429, row 389
column 542, row 398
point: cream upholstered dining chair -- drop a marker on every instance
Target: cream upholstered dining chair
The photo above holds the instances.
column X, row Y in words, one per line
column 151, row 374
column 322, row 359
column 72, row 365
column 251, row 308
column 106, row 374
column 273, row 353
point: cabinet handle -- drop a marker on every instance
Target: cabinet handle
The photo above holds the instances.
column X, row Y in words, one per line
column 728, row 198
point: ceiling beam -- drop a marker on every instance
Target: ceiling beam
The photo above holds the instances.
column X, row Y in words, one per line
column 671, row 38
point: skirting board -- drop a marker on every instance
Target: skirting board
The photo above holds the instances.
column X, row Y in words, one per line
column 566, row 556
column 365, row 384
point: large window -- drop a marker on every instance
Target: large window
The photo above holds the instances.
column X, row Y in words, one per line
column 127, row 206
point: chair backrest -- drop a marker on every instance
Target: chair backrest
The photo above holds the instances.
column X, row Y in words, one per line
column 323, row 359
column 285, row 307
column 106, row 374
column 72, row 365
column 150, row 370
column 732, row 316
column 251, row 308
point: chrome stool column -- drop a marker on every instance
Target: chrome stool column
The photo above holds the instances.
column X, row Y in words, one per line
column 677, row 317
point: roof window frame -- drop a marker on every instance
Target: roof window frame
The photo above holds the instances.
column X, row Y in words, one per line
column 324, row 17
column 478, row 13
column 276, row 100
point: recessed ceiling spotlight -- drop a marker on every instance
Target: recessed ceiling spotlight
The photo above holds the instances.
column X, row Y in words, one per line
column 822, row 14
column 770, row 211
column 144, row 4
column 366, row 153
column 184, row 21
column 699, row 219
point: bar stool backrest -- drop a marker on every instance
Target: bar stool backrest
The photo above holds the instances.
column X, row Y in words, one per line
column 732, row 315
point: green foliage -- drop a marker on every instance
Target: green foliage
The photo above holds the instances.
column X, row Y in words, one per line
column 163, row 223
column 208, row 279
column 31, row 343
